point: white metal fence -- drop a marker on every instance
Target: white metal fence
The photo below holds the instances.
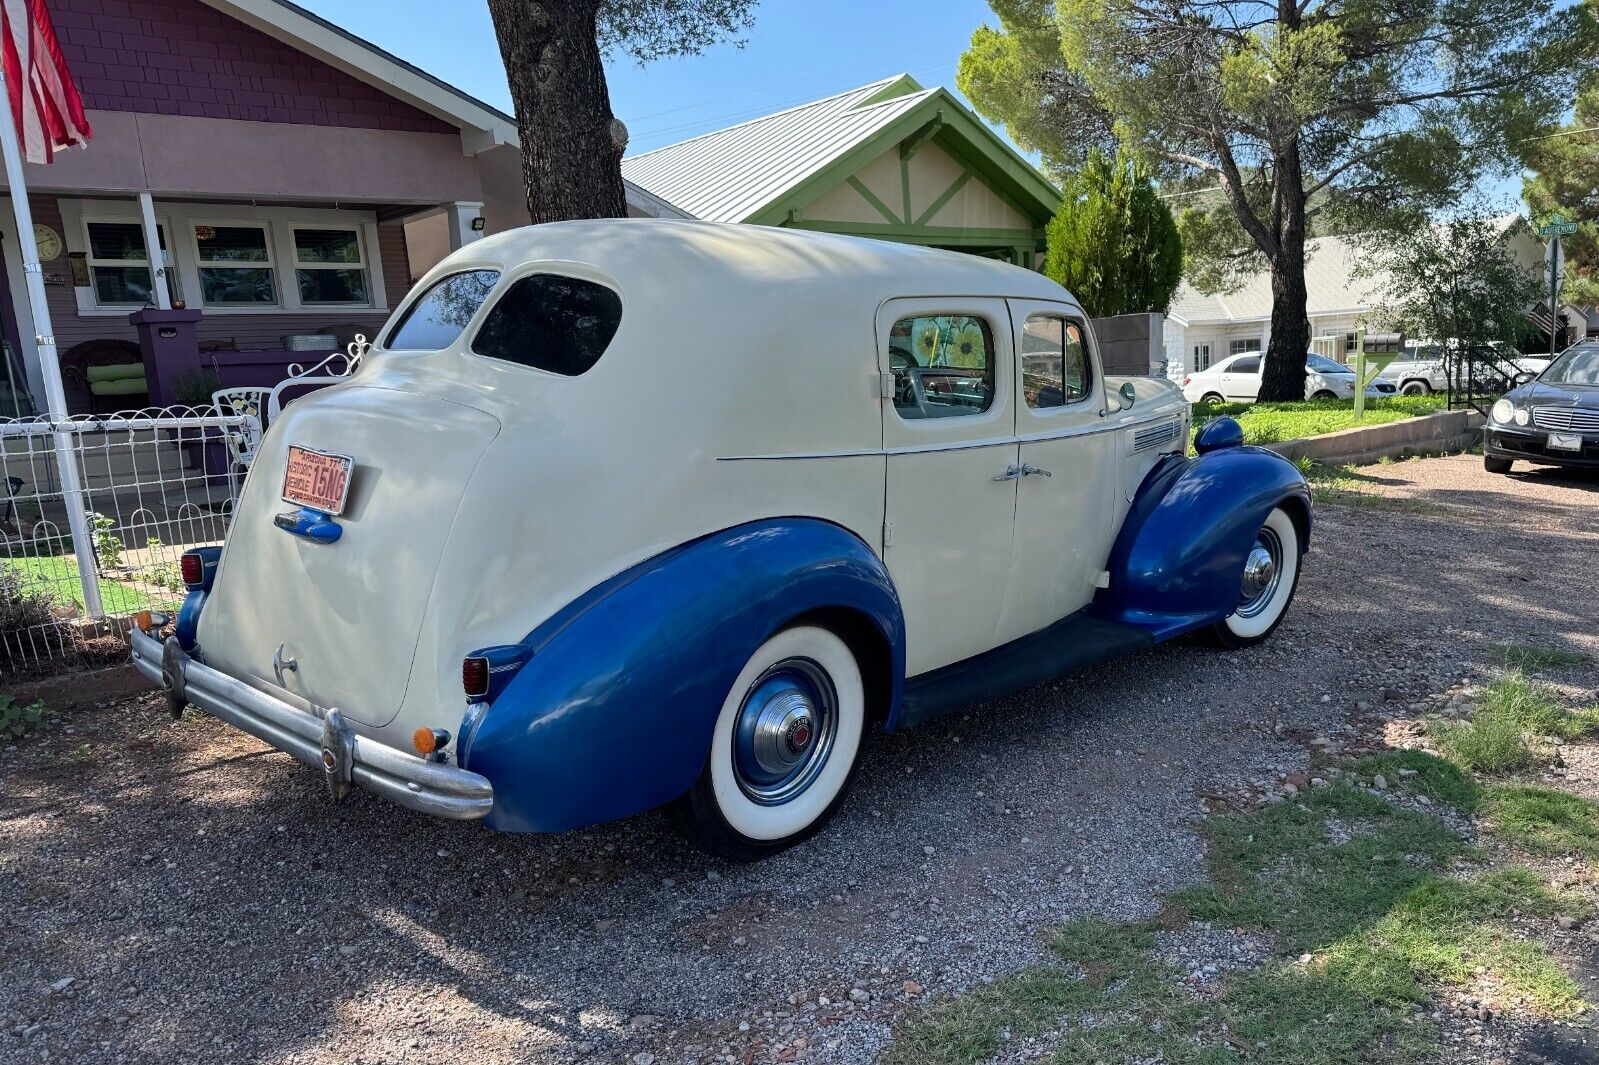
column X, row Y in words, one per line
column 152, row 484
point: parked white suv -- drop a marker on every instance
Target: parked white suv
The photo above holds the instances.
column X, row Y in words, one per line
column 1237, row 379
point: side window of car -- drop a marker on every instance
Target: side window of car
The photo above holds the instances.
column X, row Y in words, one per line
column 1249, row 365
column 1055, row 367
column 943, row 365
column 437, row 317
column 550, row 322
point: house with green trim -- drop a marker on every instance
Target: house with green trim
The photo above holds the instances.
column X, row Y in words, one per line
column 891, row 160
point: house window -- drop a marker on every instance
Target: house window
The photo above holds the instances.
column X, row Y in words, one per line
column 1238, row 347
column 1201, row 357
column 235, row 264
column 1349, row 341
column 329, row 265
column 119, row 266
column 943, row 365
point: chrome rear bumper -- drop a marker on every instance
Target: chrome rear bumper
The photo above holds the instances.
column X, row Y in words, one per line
column 325, row 742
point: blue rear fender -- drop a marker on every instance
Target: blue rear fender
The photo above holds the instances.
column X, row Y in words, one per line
column 612, row 708
column 1178, row 561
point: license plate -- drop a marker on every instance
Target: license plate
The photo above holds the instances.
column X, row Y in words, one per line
column 1566, row 441
column 316, row 479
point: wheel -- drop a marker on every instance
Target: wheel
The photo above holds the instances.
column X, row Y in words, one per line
column 1416, row 388
column 1324, row 394
column 1495, row 464
column 784, row 748
column 1271, row 573
column 1212, row 397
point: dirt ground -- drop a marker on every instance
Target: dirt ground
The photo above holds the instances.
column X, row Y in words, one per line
column 177, row 892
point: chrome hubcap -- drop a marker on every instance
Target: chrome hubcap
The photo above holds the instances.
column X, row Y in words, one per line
column 1262, row 572
column 784, row 731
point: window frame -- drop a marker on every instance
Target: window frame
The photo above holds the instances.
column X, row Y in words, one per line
column 1090, row 378
column 270, row 264
column 183, row 277
column 167, row 261
column 992, row 336
column 363, row 264
column 1249, row 344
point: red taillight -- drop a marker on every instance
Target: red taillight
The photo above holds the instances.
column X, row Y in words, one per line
column 475, row 677
column 193, row 569
column 1186, row 380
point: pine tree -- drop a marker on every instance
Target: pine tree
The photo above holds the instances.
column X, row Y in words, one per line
column 1114, row 244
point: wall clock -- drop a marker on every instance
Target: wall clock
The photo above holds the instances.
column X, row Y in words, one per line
column 49, row 242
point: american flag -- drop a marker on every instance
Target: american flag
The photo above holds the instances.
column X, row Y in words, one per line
column 45, row 106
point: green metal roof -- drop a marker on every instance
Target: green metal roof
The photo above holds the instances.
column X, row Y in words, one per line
column 760, row 170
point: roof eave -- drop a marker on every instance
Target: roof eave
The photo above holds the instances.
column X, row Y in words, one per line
column 482, row 126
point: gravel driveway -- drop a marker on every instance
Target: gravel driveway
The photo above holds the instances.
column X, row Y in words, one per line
column 178, row 892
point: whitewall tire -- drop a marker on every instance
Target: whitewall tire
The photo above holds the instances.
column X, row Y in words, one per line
column 784, row 747
column 1271, row 573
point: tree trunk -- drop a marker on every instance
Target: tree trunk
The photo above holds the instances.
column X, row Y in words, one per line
column 1282, row 377
column 571, row 162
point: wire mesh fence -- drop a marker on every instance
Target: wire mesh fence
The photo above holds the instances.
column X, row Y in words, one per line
column 154, row 483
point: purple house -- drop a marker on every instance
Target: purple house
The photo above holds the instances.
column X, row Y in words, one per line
column 296, row 178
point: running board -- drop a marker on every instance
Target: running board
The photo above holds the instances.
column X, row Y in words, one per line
column 1071, row 644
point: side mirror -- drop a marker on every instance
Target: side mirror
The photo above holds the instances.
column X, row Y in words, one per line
column 1128, row 394
column 1522, row 378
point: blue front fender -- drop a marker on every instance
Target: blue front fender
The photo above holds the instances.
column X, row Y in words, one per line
column 1178, row 561
column 611, row 712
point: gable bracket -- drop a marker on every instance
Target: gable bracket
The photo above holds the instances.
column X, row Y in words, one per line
column 913, row 144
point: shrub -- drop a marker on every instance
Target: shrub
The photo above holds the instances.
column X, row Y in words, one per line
column 18, row 720
column 26, row 619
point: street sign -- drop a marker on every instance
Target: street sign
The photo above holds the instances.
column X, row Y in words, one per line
column 1557, row 227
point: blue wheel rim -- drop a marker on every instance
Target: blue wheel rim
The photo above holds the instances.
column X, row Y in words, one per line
column 784, row 731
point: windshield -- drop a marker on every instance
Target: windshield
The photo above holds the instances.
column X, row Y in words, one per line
column 1322, row 364
column 1576, row 366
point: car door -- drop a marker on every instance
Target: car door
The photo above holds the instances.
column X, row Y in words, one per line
column 1241, row 380
column 1065, row 497
column 950, row 496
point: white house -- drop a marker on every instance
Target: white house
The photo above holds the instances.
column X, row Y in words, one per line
column 1203, row 329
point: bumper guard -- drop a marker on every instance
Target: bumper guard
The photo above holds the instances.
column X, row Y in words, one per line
column 326, row 742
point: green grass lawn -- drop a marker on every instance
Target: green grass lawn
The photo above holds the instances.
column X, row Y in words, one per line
column 56, row 576
column 1268, row 423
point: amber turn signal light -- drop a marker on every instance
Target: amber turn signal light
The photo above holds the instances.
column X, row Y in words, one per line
column 429, row 740
column 143, row 621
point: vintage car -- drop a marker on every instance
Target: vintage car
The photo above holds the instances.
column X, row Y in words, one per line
column 616, row 514
column 1551, row 419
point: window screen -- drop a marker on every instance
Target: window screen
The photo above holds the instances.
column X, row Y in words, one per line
column 549, row 322
column 437, row 318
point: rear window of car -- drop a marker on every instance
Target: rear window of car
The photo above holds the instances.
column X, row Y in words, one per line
column 438, row 316
column 551, row 322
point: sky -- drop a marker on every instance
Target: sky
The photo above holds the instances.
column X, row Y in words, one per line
column 799, row 50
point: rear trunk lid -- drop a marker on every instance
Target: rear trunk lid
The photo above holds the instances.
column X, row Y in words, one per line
column 347, row 614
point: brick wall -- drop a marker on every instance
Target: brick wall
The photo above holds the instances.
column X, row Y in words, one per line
column 181, row 57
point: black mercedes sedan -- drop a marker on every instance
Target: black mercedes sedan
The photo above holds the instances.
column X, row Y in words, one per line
column 1550, row 420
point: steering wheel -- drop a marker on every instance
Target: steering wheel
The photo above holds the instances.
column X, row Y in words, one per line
column 908, row 373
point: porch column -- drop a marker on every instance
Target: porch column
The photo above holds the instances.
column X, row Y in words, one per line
column 461, row 219
column 152, row 246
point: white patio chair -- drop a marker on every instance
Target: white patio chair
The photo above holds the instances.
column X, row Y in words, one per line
column 243, row 440
column 274, row 402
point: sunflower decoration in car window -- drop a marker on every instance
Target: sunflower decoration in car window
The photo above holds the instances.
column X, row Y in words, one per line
column 969, row 348
column 927, row 338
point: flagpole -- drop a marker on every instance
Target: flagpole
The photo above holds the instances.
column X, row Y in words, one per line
column 49, row 361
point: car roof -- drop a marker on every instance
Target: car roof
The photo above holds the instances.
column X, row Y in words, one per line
column 657, row 255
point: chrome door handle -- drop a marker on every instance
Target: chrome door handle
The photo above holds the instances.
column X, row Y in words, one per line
column 280, row 665
column 1010, row 474
column 1029, row 470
